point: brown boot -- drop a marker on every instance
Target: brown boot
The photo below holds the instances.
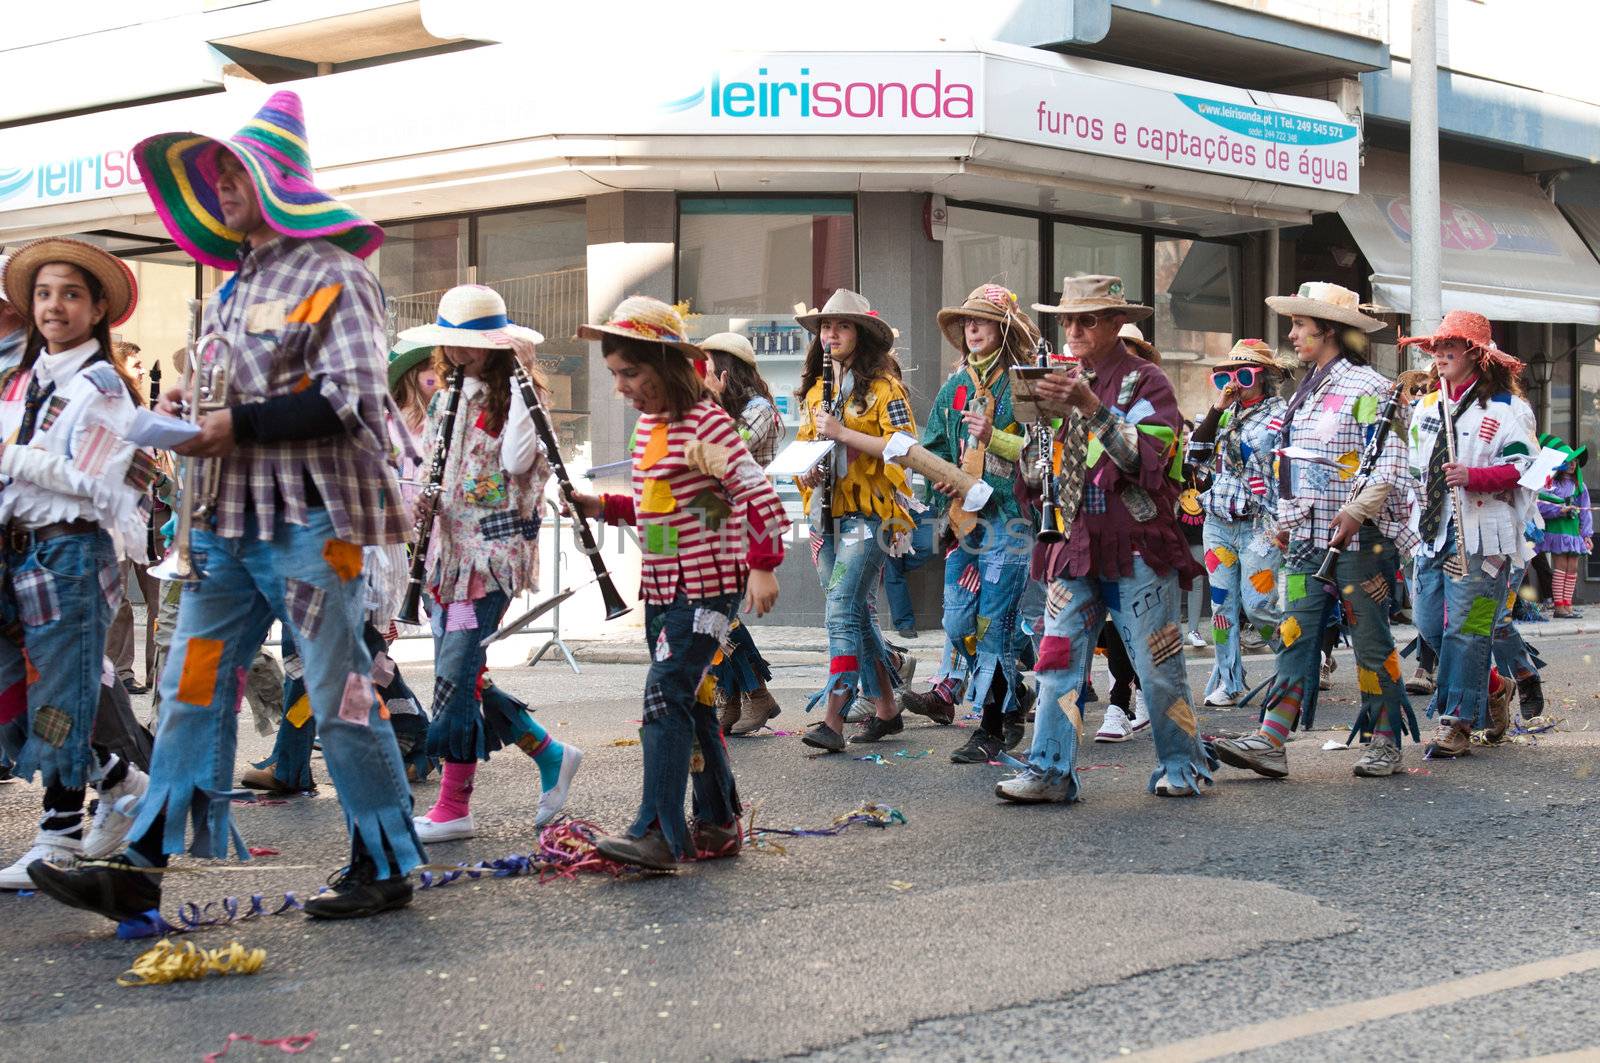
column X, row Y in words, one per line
column 1450, row 741
column 727, row 711
column 759, row 707
column 264, row 780
column 712, row 842
column 928, row 704
column 1499, row 711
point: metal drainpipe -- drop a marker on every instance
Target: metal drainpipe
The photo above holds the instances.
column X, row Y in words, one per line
column 1426, row 302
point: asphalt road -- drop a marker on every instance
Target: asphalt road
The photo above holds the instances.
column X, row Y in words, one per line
column 977, row 931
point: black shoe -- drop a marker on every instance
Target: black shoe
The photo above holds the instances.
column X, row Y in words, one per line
column 1014, row 726
column 650, row 852
column 1090, row 696
column 1530, row 696
column 981, row 748
column 357, row 893
column 134, row 687
column 906, row 632
column 929, row 704
column 876, row 729
column 113, row 889
column 6, row 775
column 824, row 738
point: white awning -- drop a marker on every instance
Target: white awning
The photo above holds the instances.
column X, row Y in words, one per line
column 1508, row 252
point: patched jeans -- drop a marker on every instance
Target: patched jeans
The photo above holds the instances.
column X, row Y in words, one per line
column 982, row 596
column 310, row 580
column 679, row 732
column 62, row 592
column 469, row 724
column 1144, row 608
column 1242, row 566
column 1511, row 654
column 848, row 564
column 1457, row 618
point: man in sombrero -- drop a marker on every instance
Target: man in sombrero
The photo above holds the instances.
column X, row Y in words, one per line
column 304, row 484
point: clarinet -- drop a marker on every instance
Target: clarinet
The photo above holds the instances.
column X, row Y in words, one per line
column 410, row 609
column 152, row 530
column 615, row 606
column 1369, row 462
column 1050, row 497
column 826, row 485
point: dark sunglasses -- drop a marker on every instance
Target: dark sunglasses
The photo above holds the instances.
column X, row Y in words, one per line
column 1086, row 321
column 1245, row 375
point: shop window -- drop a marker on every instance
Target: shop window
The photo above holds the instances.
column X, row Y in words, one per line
column 161, row 322
column 537, row 260
column 1197, row 313
column 743, row 264
column 1588, row 402
column 1083, row 249
column 418, row 263
column 988, row 247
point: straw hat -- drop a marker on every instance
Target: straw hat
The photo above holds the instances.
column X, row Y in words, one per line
column 470, row 315
column 1129, row 334
column 639, row 317
column 1329, row 302
column 847, row 305
column 1094, row 294
column 1256, row 353
column 122, row 294
column 180, row 172
column 4, row 258
column 987, row 302
column 732, row 344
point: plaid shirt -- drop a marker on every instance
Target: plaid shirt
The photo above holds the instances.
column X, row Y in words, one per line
column 761, row 429
column 1335, row 422
column 303, row 314
column 1243, row 485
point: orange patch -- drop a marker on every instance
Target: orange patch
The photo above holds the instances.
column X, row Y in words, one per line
column 656, row 449
column 303, row 384
column 198, row 683
column 32, row 673
column 1392, row 665
column 314, row 306
column 344, row 558
column 383, row 709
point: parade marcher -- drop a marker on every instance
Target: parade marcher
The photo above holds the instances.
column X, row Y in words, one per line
column 744, row 704
column 120, row 640
column 1127, row 714
column 1470, row 510
column 870, row 505
column 71, row 510
column 484, row 551
column 712, row 528
column 13, row 328
column 1124, row 556
column 302, row 485
column 1568, row 525
column 1235, row 443
column 972, row 425
column 1331, row 417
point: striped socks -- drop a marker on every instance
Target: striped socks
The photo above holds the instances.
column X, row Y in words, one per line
column 1562, row 586
column 1281, row 718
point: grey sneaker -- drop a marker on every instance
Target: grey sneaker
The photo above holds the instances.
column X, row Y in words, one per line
column 1254, row 752
column 1381, row 758
column 824, row 738
column 1032, row 787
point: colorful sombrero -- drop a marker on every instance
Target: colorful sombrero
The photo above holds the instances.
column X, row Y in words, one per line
column 180, row 172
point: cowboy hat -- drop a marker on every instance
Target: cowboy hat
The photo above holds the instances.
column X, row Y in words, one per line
column 470, row 315
column 1326, row 301
column 115, row 278
column 1094, row 294
column 1256, row 353
column 847, row 305
column 180, row 172
column 1129, row 334
column 987, row 302
column 732, row 344
column 1472, row 329
column 639, row 317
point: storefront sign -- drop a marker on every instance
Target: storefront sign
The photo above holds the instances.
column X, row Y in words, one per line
column 62, row 180
column 1463, row 229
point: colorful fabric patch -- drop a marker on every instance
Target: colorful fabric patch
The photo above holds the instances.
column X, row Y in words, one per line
column 238, row 688
column 304, row 603
column 899, row 413
column 843, row 663
column 1391, row 666
column 35, row 590
column 1219, row 595
column 197, row 685
column 1068, row 704
column 355, row 706
column 1055, row 653
column 16, row 386
column 299, row 712
column 1348, row 611
column 1165, row 644
column 111, row 584
column 837, row 572
column 104, row 378
column 1219, row 635
column 1376, row 588
column 711, row 508
column 1366, row 410
column 460, row 616
column 485, row 492
column 981, row 629
column 816, row 548
column 655, row 703
column 655, row 448
column 1126, row 388
column 508, row 525
column 1226, row 557
column 1487, row 429
column 443, row 691
column 657, row 497
column 95, row 450
column 969, row 580
column 52, row 726
column 1367, row 680
column 344, row 558
column 1296, row 585
column 663, row 647
column 661, row 540
column 1480, row 616
column 1094, row 499
column 1289, row 631
column 293, row 667
column 142, row 471
column 30, row 674
column 710, row 622
column 706, row 692
column 313, row 307
column 1181, row 714
column 1263, row 580
column 52, row 410
column 1257, row 485
column 302, row 385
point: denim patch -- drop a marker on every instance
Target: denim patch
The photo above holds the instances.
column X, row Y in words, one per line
column 36, row 597
column 52, row 726
column 655, row 703
column 304, row 603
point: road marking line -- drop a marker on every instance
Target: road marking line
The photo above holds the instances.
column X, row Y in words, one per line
column 1577, row 1055
column 1323, row 1020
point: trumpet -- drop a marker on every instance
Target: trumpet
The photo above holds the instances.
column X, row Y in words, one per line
column 199, row 479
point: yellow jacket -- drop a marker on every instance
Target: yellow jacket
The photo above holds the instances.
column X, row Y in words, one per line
column 869, row 487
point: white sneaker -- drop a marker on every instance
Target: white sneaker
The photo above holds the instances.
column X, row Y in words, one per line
column 451, row 830
column 1141, row 714
column 1034, row 788
column 1220, row 699
column 1193, row 638
column 860, row 710
column 54, row 846
column 1172, row 789
column 553, row 800
column 114, row 815
column 1114, row 728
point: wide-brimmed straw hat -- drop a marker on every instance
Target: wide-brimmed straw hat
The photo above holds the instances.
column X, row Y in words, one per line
column 732, row 344
column 1254, row 352
column 639, row 317
column 1475, row 331
column 1094, row 293
column 1129, row 334
column 470, row 315
column 180, row 173
column 847, row 305
column 987, row 302
column 4, row 258
column 1330, row 302
column 122, row 294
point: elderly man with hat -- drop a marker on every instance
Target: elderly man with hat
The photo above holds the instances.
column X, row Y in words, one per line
column 1470, row 519
column 1235, row 443
column 1123, row 557
column 303, row 484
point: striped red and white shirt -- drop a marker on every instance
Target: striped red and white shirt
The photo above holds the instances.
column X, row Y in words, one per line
column 705, row 511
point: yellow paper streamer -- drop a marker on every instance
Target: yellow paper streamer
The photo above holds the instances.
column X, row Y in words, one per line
column 168, row 962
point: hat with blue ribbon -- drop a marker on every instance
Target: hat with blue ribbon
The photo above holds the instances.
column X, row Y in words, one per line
column 470, row 315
